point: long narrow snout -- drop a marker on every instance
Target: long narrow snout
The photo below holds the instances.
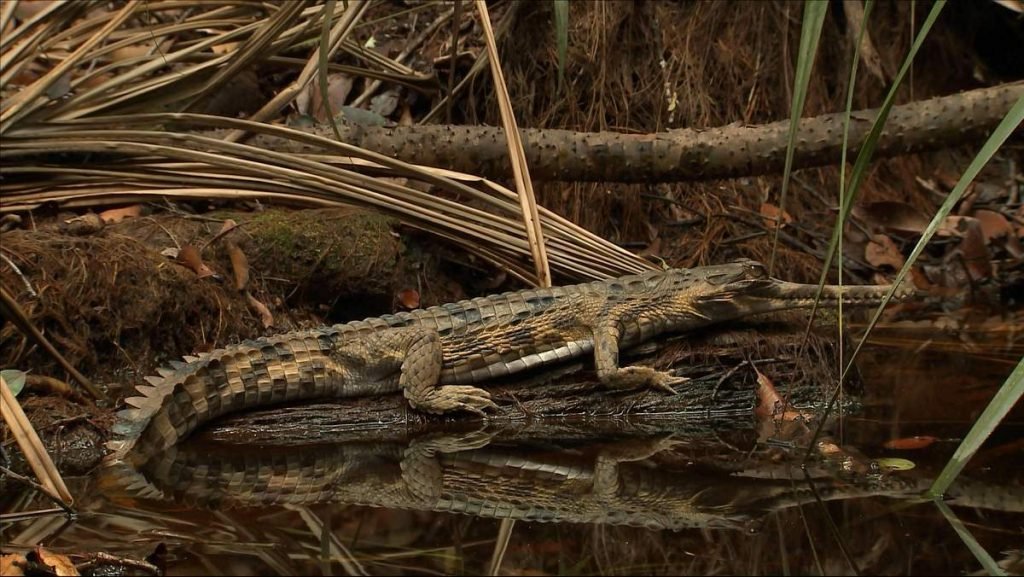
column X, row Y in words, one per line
column 753, row 296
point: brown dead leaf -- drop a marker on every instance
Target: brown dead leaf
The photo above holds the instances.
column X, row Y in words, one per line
column 59, row 564
column 12, row 564
column 771, row 402
column 265, row 315
column 973, row 249
column 339, row 85
column 993, row 224
column 882, row 251
column 893, row 216
column 408, row 299
column 771, row 213
column 189, row 256
column 226, row 227
column 239, row 265
column 910, row 443
column 119, row 214
column 920, row 279
column 996, row 228
column 768, row 395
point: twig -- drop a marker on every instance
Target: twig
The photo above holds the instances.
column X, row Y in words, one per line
column 45, row 491
column 17, row 271
column 108, row 559
column 10, row 309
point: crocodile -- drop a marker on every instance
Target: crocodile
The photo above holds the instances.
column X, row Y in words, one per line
column 436, row 356
column 635, row 481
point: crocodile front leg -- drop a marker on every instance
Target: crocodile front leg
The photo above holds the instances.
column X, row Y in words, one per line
column 606, row 360
column 419, row 354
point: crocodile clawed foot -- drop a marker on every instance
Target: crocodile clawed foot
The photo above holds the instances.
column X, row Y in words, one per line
column 667, row 382
column 451, row 398
column 627, row 378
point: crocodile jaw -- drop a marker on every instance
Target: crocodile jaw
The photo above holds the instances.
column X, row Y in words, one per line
column 755, row 296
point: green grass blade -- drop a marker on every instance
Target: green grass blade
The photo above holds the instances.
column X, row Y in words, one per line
column 562, row 36
column 1004, row 400
column 986, row 560
column 814, row 18
column 867, row 149
column 1002, row 132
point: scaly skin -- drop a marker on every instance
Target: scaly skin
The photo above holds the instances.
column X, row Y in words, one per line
column 436, row 355
column 465, row 473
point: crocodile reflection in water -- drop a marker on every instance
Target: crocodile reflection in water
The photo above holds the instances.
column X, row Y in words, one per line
column 632, row 482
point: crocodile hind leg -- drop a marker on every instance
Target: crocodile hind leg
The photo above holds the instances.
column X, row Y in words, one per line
column 418, row 352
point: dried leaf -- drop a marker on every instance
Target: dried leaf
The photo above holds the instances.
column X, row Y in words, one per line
column 910, row 443
column 993, row 224
column 88, row 223
column 882, row 251
column 997, row 228
column 768, row 395
column 408, row 299
column 972, row 249
column 953, row 226
column 771, row 213
column 893, row 216
column 189, row 256
column 119, row 214
column 265, row 315
column 239, row 265
column 226, row 227
column 339, row 85
column 59, row 564
column 12, row 564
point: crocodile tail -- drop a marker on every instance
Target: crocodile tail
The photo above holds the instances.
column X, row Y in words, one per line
column 132, row 421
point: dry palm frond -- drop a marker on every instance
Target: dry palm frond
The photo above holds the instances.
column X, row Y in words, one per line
column 137, row 163
column 87, row 105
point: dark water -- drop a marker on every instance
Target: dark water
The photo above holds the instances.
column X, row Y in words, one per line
column 619, row 496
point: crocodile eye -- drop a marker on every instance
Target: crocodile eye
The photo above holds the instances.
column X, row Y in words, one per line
column 757, row 270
